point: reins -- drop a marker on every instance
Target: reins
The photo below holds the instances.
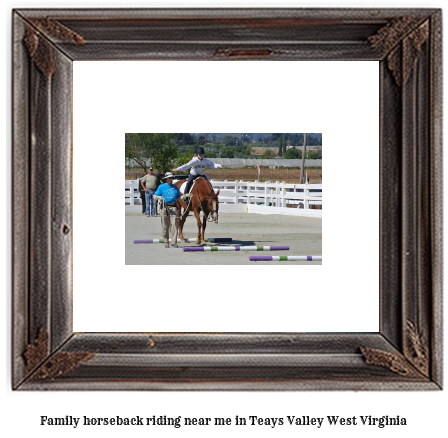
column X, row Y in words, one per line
column 186, row 209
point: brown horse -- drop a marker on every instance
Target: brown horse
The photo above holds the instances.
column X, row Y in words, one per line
column 204, row 198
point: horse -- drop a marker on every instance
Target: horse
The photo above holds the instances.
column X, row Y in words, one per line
column 204, row 198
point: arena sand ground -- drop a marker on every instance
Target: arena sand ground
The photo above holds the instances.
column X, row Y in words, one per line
column 302, row 234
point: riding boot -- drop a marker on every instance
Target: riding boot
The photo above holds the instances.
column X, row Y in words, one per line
column 187, row 187
column 190, row 180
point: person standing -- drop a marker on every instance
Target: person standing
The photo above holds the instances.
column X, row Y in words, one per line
column 149, row 184
column 142, row 194
column 170, row 194
column 197, row 164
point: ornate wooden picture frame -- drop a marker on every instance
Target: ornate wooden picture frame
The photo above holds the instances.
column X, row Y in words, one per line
column 406, row 353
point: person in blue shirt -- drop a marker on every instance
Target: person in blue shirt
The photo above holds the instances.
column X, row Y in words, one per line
column 170, row 194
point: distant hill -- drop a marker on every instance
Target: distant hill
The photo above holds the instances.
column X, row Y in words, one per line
column 229, row 139
column 219, row 136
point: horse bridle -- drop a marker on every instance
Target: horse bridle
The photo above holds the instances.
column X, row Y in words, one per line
column 212, row 211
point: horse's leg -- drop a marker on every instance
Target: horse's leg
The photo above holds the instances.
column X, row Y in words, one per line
column 204, row 223
column 181, row 220
column 198, row 220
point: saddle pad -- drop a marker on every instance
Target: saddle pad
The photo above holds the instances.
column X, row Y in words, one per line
column 182, row 187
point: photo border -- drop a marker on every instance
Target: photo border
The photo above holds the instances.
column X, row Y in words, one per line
column 406, row 353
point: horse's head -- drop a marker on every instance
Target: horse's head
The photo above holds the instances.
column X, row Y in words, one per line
column 213, row 205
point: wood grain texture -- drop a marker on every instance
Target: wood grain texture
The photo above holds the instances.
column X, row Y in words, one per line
column 62, row 203
column 436, row 195
column 20, row 210
column 406, row 354
column 391, row 237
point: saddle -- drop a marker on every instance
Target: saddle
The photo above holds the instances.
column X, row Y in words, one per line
column 184, row 185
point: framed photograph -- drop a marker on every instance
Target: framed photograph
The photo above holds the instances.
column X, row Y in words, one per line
column 404, row 354
column 230, row 180
column 223, row 189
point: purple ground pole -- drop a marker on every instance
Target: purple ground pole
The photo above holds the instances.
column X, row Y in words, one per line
column 277, row 248
column 193, row 248
column 260, row 258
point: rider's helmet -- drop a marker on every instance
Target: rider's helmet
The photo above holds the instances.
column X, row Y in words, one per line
column 199, row 150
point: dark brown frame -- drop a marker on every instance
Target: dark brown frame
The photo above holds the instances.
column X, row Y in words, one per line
column 406, row 354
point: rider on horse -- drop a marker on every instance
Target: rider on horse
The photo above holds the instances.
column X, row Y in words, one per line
column 197, row 164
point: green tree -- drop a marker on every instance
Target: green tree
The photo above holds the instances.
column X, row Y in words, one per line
column 314, row 140
column 296, row 139
column 248, row 150
column 159, row 149
column 229, row 140
column 284, row 144
column 293, row 154
column 280, row 147
column 202, row 140
column 267, row 154
column 314, row 155
column 134, row 150
column 220, row 148
column 318, row 154
column 185, row 139
column 227, row 153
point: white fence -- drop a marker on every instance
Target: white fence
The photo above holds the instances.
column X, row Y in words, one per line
column 252, row 197
column 235, row 163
